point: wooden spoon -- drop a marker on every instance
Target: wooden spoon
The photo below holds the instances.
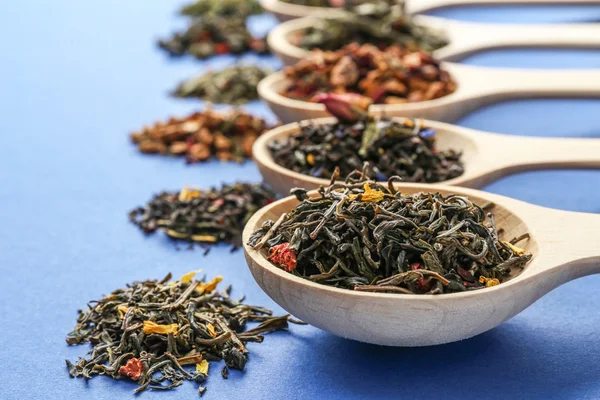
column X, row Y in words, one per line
column 286, row 11
column 486, row 156
column 565, row 246
column 477, row 86
column 465, row 37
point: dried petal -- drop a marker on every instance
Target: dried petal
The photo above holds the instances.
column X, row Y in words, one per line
column 283, row 255
column 133, row 369
column 153, row 327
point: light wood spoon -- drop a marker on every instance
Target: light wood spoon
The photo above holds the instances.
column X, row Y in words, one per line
column 565, row 246
column 465, row 38
column 477, row 87
column 421, row 6
column 285, row 11
column 486, row 156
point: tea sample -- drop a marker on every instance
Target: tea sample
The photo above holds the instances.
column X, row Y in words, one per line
column 222, row 8
column 342, row 3
column 368, row 26
column 202, row 135
column 151, row 332
column 367, row 236
column 203, row 216
column 210, row 36
column 394, row 75
column 233, row 85
column 394, row 147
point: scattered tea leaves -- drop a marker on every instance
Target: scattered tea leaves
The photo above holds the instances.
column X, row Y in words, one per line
column 203, row 216
column 233, row 85
column 160, row 358
column 210, row 36
column 228, row 136
column 222, row 8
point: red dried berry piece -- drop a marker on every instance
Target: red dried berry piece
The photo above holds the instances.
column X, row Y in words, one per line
column 132, row 369
column 283, row 255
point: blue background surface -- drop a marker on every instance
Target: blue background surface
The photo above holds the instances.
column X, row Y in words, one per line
column 76, row 77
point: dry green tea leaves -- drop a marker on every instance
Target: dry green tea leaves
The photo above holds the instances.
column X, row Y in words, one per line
column 366, row 236
column 367, row 26
column 394, row 147
column 228, row 136
column 210, row 36
column 203, row 216
column 222, row 8
column 233, row 85
column 160, row 334
column 394, row 75
column 348, row 4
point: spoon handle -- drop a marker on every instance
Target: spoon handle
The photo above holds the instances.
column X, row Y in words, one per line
column 526, row 153
column 419, row 6
column 487, row 85
column 569, row 243
column 469, row 38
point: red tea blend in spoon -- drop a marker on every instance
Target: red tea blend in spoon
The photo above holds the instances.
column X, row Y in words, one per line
column 393, row 75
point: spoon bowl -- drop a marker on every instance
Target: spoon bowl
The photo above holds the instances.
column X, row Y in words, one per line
column 465, row 38
column 286, row 11
column 476, row 87
column 486, row 156
column 564, row 246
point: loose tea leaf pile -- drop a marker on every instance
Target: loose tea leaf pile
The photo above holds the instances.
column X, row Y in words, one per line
column 150, row 331
column 343, row 3
column 210, row 36
column 394, row 147
column 203, row 216
column 367, row 236
column 391, row 76
column 201, row 135
column 367, row 26
column 233, row 85
column 222, row 8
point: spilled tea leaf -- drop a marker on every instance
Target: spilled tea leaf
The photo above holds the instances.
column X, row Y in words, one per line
column 233, row 85
column 203, row 216
column 167, row 327
column 227, row 136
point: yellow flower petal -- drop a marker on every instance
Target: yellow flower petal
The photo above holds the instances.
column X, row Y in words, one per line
column 517, row 250
column 310, row 159
column 153, row 327
column 187, row 278
column 369, row 195
column 188, row 193
column 204, row 238
column 209, row 286
column 211, row 330
column 489, row 282
column 202, row 367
